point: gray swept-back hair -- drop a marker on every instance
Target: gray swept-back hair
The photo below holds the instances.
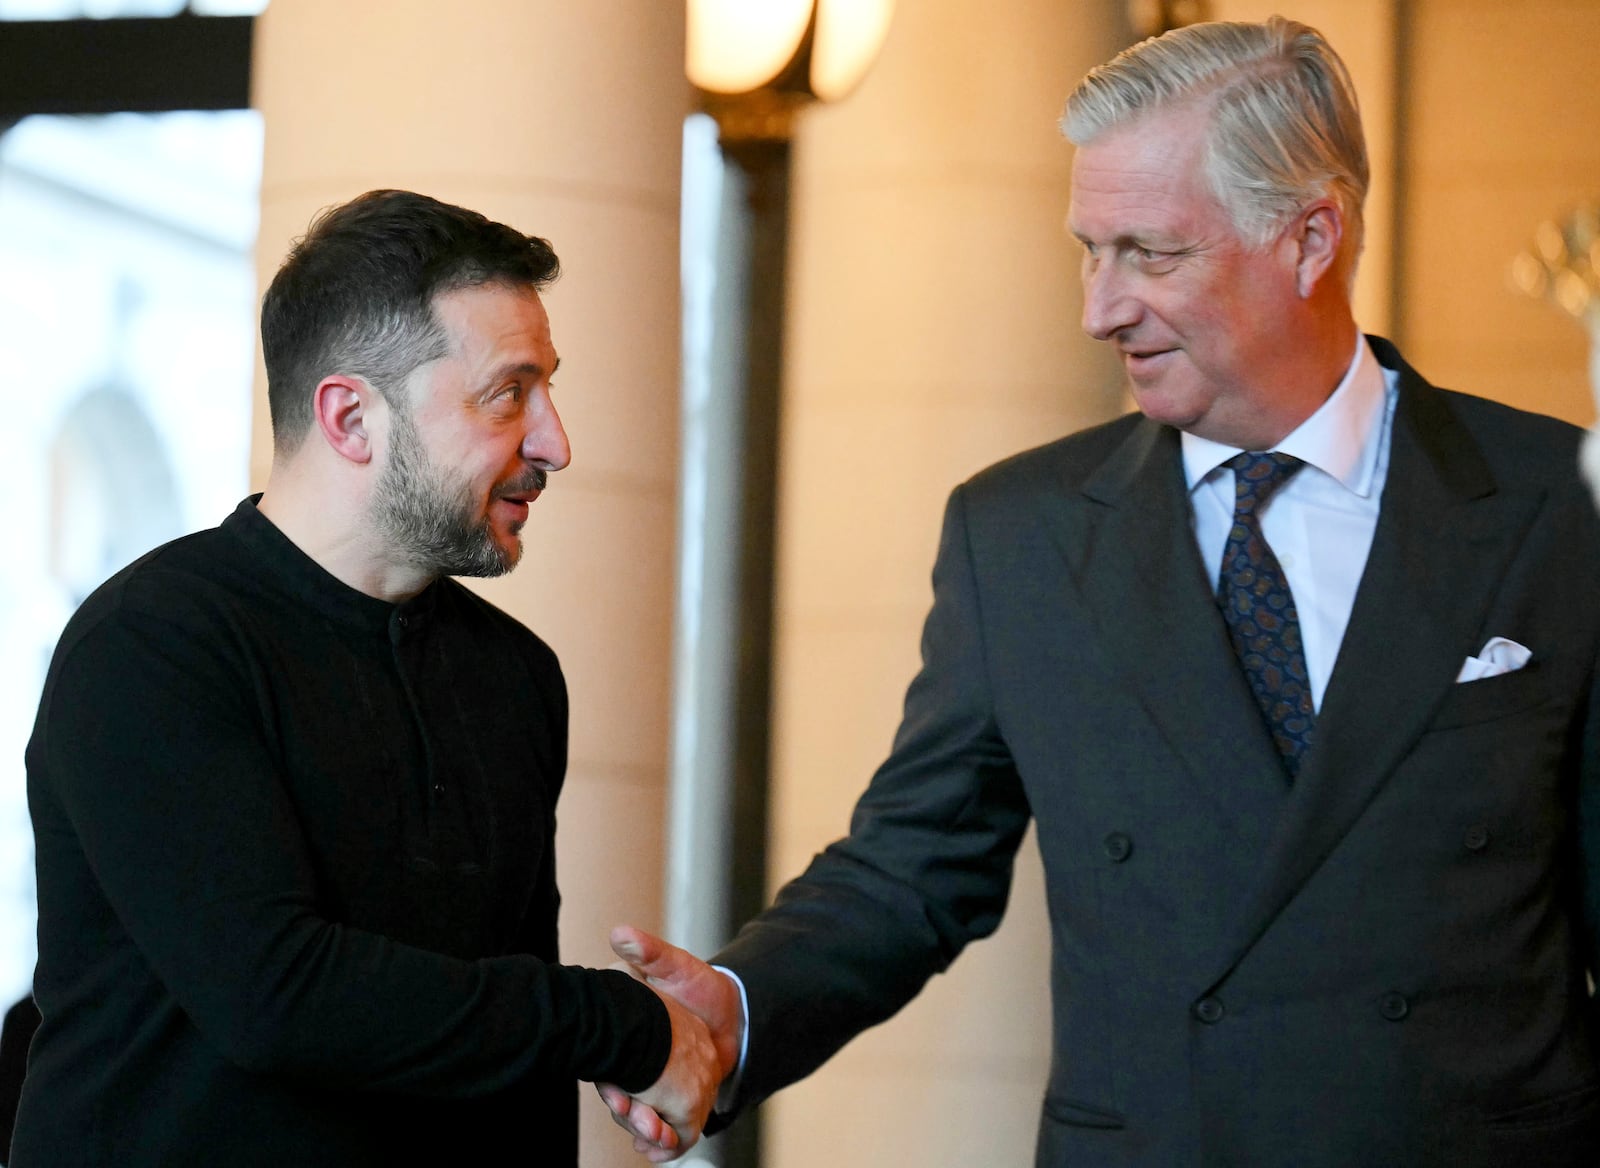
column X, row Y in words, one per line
column 1285, row 126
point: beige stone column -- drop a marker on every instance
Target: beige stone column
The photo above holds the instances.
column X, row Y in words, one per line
column 563, row 119
column 933, row 329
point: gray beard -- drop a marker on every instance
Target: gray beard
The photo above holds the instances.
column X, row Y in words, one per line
column 428, row 519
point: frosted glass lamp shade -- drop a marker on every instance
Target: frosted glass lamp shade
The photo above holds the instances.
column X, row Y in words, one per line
column 849, row 35
column 816, row 48
column 736, row 46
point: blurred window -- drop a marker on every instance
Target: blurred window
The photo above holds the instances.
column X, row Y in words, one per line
column 127, row 333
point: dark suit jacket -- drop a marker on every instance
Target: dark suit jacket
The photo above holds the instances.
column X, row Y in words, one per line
column 1382, row 965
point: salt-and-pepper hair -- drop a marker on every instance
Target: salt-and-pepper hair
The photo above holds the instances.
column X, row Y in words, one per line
column 1285, row 128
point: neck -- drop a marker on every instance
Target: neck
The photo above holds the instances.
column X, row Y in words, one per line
column 1302, row 382
column 324, row 512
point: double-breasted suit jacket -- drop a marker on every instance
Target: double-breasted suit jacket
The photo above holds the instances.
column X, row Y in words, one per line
column 1383, row 963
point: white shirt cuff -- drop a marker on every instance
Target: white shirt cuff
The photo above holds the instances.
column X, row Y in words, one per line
column 730, row 1086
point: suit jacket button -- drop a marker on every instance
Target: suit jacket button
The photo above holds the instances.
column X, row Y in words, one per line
column 1476, row 838
column 1118, row 846
column 1208, row 1010
column 1394, row 1006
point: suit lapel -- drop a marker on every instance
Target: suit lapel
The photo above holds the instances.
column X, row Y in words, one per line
column 1140, row 574
column 1444, row 537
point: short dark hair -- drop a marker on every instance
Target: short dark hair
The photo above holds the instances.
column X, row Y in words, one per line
column 355, row 295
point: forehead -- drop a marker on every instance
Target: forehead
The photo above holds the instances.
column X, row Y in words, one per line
column 496, row 322
column 1147, row 174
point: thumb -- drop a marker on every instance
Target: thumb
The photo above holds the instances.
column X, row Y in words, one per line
column 652, row 956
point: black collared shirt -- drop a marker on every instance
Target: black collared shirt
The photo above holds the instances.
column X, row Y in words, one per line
column 297, row 901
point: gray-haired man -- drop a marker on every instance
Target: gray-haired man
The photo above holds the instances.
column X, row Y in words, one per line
column 1293, row 670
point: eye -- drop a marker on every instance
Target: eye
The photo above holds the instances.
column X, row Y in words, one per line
column 1154, row 260
column 507, row 398
column 1151, row 255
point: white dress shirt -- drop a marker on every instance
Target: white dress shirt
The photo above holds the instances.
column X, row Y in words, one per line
column 1320, row 524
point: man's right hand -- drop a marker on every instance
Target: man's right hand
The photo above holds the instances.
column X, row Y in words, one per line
column 679, row 974
column 682, row 1096
column 683, row 978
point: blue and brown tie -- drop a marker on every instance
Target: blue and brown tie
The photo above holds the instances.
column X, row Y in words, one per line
column 1256, row 603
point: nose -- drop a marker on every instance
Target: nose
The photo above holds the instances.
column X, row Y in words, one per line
column 545, row 443
column 1108, row 304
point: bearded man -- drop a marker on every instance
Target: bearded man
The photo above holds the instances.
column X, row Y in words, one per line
column 293, row 787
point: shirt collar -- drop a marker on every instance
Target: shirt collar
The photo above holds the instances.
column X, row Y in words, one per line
column 1340, row 439
column 308, row 581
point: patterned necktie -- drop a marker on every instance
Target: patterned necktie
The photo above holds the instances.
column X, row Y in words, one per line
column 1258, row 607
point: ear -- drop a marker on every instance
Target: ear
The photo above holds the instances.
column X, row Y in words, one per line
column 1318, row 232
column 342, row 406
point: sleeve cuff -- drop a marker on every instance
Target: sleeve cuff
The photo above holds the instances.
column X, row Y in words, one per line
column 632, row 1032
column 729, row 1091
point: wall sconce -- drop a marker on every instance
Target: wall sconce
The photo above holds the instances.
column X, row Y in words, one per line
column 1563, row 266
column 1150, row 18
column 756, row 64
column 1564, row 263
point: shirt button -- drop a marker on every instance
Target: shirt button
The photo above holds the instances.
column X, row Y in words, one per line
column 403, row 621
column 1208, row 1010
column 1476, row 837
column 1118, row 846
column 1394, row 1006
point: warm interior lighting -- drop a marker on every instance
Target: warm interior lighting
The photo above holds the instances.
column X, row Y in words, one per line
column 740, row 46
column 735, row 46
column 849, row 35
column 1563, row 264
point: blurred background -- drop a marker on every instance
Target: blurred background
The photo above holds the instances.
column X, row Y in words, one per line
column 779, row 353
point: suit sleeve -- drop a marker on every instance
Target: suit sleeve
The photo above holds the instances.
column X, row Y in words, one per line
column 1587, row 753
column 925, row 869
column 153, row 766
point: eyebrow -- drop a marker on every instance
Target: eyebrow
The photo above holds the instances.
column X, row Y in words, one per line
column 1153, row 241
column 1123, row 239
column 524, row 369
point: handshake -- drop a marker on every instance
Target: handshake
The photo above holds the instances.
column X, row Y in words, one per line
column 708, row 1022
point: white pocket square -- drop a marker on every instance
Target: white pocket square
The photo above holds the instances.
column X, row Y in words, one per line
column 1497, row 656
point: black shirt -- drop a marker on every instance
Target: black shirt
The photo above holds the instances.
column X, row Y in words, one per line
column 297, row 901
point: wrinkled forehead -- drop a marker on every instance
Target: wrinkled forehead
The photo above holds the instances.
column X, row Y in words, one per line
column 1153, row 166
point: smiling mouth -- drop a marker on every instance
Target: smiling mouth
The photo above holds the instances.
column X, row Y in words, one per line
column 524, row 489
column 1138, row 361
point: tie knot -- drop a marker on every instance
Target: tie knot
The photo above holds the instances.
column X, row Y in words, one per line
column 1256, row 476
